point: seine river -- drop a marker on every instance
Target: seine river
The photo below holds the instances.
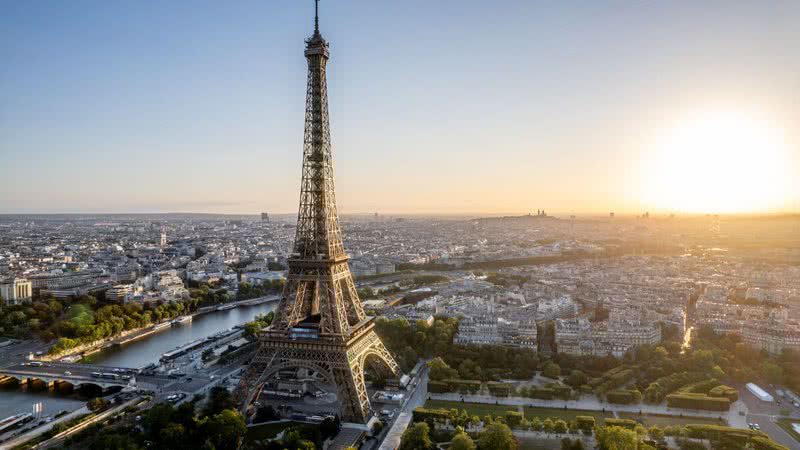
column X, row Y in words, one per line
column 149, row 349
column 137, row 354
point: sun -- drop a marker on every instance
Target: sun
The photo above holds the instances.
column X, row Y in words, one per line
column 721, row 162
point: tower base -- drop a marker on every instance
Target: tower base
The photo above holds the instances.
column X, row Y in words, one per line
column 339, row 364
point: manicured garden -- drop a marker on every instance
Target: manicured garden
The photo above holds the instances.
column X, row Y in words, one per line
column 473, row 409
column 565, row 414
column 663, row 420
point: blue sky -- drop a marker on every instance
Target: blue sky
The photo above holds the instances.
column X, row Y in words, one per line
column 445, row 106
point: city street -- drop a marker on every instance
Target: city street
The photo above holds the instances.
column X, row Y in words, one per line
column 401, row 421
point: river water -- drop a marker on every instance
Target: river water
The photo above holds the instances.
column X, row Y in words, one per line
column 137, row 354
column 148, row 349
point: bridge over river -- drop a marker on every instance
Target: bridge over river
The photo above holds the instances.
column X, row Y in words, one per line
column 53, row 373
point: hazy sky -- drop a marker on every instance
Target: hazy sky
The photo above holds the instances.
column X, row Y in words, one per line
column 436, row 106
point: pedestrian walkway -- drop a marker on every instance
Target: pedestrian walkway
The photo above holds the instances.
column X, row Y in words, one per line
column 591, row 403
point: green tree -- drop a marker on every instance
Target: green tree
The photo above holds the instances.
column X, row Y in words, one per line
column 377, row 427
column 551, row 370
column 439, row 370
column 173, row 436
column 97, row 404
column 113, row 442
column 656, row 433
column 560, row 426
column 615, row 438
column 497, row 436
column 576, row 378
column 226, row 430
column 219, row 399
column 416, row 437
column 772, row 372
column 462, row 441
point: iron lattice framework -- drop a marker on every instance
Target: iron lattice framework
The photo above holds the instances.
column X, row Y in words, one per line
column 319, row 324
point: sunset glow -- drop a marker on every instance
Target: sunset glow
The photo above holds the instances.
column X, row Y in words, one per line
column 721, row 162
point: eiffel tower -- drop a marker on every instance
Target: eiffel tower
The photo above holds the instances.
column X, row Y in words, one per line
column 319, row 325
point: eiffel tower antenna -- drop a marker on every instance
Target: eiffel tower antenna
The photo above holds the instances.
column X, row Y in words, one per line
column 320, row 326
column 316, row 16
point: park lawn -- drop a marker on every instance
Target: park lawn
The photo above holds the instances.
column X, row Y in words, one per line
column 538, row 444
column 786, row 424
column 269, row 430
column 565, row 414
column 473, row 409
column 664, row 420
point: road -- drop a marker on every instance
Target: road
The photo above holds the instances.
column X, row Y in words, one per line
column 765, row 414
column 768, row 425
column 417, row 399
column 44, row 428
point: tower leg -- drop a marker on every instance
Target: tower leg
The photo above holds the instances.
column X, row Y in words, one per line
column 253, row 378
column 352, row 393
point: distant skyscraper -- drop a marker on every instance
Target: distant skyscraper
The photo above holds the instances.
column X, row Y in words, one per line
column 264, row 217
column 163, row 236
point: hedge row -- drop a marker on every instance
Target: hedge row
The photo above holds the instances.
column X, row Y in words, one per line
column 613, row 378
column 762, row 443
column 542, row 393
column 717, row 432
column 513, row 418
column 728, row 392
column 438, row 387
column 585, row 423
column 422, row 414
column 663, row 386
column 624, row 423
column 698, row 401
column 624, row 396
column 700, row 387
column 463, row 386
column 500, row 389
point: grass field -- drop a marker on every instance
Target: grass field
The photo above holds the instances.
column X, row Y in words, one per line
column 269, row 430
column 663, row 420
column 538, row 444
column 786, row 424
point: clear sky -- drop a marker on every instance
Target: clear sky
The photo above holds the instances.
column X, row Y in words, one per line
column 436, row 106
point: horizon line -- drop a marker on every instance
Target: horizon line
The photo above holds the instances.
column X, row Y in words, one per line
column 556, row 215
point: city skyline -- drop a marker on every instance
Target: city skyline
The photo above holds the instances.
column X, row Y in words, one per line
column 435, row 110
column 564, row 225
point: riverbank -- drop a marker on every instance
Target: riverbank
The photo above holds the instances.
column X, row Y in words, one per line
column 126, row 337
column 148, row 350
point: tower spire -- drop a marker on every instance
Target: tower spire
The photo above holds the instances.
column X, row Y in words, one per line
column 316, row 16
